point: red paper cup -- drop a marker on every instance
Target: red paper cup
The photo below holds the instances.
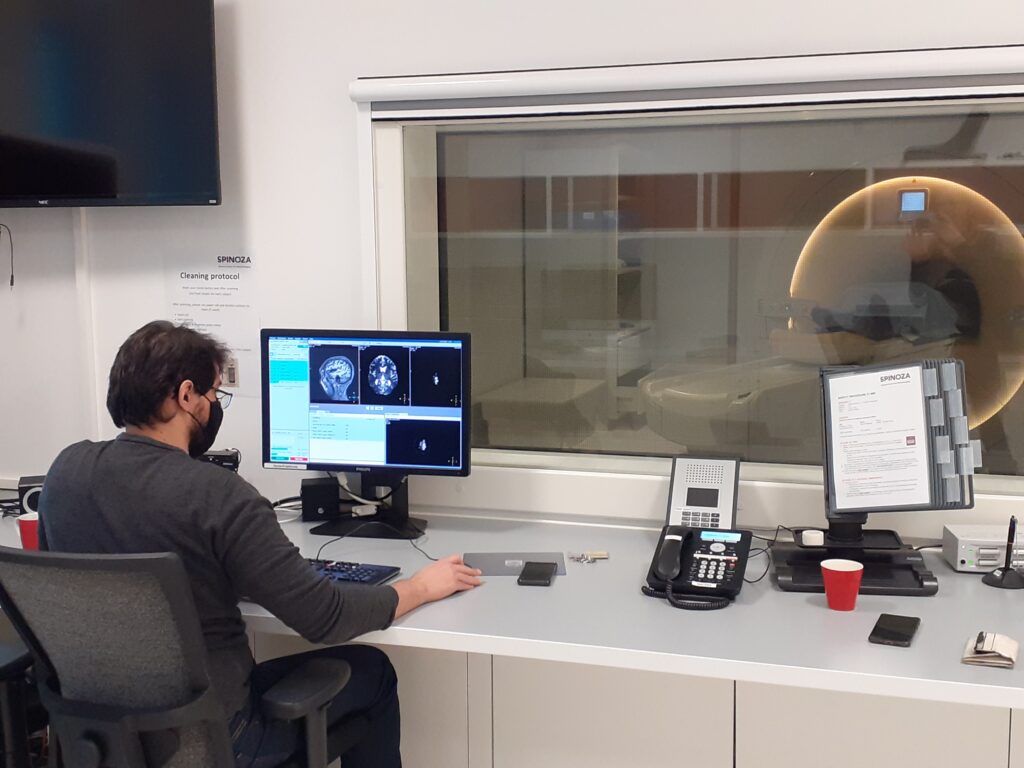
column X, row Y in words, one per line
column 842, row 583
column 28, row 526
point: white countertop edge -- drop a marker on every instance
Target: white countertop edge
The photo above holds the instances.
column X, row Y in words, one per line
column 696, row 666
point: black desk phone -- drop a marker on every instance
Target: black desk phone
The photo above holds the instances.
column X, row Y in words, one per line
column 698, row 569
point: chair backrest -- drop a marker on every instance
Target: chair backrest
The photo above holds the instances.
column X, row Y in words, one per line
column 115, row 630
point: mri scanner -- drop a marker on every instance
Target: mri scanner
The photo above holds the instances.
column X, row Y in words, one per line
column 857, row 266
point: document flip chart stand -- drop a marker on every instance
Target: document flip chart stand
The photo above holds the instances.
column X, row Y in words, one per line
column 895, row 440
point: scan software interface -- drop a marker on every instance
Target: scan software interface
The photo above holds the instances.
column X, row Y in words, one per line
column 365, row 402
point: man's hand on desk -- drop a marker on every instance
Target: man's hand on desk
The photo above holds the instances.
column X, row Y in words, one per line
column 435, row 582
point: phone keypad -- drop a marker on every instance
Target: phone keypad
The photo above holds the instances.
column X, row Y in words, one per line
column 712, row 569
column 700, row 519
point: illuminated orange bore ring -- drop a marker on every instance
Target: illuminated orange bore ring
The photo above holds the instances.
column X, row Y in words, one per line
column 826, row 268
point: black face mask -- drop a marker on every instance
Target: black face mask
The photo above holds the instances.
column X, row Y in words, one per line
column 202, row 441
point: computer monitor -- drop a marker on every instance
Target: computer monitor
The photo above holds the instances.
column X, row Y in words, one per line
column 383, row 404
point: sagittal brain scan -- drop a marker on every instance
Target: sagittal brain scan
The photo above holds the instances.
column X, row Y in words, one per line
column 383, row 375
column 336, row 376
column 333, row 375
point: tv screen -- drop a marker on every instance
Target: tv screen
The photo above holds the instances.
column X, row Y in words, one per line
column 108, row 102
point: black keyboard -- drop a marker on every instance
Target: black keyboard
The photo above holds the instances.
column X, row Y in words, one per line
column 358, row 573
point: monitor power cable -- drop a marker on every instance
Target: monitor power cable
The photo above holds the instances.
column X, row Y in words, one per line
column 289, row 504
column 767, row 566
column 338, row 538
column 415, row 546
column 766, row 550
column 343, row 482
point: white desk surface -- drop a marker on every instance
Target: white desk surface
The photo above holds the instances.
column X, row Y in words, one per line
column 595, row 614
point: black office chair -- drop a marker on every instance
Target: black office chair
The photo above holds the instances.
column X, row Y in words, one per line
column 20, row 711
column 121, row 665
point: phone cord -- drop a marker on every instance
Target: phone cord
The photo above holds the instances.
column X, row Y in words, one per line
column 695, row 602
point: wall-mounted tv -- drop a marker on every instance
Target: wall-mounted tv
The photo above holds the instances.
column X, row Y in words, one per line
column 108, row 102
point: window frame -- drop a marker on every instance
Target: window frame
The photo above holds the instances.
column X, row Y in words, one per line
column 632, row 489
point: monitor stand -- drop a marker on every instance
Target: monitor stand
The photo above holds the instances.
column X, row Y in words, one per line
column 390, row 521
column 890, row 566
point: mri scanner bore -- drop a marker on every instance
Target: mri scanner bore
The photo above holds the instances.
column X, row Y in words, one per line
column 904, row 269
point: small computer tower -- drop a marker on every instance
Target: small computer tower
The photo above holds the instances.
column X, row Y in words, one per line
column 321, row 499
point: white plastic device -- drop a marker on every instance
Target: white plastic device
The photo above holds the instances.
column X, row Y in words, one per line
column 702, row 493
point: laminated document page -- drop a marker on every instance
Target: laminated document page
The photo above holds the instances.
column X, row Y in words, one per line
column 879, row 439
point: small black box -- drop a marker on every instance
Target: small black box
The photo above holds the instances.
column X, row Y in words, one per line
column 321, row 499
column 229, row 458
column 29, row 488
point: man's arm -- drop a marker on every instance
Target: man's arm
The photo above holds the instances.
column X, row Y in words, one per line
column 266, row 567
column 445, row 577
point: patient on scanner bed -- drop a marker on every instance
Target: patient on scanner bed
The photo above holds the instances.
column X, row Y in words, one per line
column 938, row 300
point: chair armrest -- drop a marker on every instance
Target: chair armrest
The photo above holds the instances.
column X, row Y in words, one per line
column 306, row 689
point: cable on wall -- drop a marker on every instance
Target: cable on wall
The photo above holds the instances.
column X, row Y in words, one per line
column 10, row 237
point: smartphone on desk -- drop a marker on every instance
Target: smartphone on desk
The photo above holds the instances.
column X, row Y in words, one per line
column 537, row 574
column 891, row 629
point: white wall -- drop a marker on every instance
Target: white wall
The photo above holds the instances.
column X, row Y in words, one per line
column 289, row 160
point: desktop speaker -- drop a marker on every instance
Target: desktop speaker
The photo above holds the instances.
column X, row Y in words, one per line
column 321, row 499
column 29, row 488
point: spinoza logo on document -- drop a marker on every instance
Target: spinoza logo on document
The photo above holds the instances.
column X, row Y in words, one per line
column 894, row 377
column 234, row 261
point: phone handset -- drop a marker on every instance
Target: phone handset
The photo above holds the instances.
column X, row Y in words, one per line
column 698, row 569
column 668, row 562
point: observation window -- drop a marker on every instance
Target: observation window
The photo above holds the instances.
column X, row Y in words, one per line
column 665, row 284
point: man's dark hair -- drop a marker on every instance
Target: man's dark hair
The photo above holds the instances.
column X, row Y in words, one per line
column 152, row 363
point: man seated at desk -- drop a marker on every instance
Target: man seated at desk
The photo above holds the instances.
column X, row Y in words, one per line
column 142, row 492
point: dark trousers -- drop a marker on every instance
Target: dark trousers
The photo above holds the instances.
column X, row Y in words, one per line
column 372, row 691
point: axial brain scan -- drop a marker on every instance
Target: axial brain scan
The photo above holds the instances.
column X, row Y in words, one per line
column 383, row 375
column 336, row 375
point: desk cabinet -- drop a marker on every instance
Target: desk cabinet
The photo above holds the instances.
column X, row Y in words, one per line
column 1016, row 738
column 477, row 711
column 783, row 727
column 433, row 689
column 554, row 715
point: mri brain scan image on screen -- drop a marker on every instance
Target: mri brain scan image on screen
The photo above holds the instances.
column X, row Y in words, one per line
column 336, row 375
column 383, row 375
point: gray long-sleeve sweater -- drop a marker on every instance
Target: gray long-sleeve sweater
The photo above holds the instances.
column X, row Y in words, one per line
column 136, row 495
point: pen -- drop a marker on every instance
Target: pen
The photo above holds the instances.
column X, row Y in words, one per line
column 1010, row 538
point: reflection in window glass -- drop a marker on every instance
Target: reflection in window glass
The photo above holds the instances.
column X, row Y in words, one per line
column 666, row 285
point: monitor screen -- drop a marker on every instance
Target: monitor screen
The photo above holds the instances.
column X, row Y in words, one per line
column 913, row 202
column 108, row 102
column 369, row 401
column 702, row 497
